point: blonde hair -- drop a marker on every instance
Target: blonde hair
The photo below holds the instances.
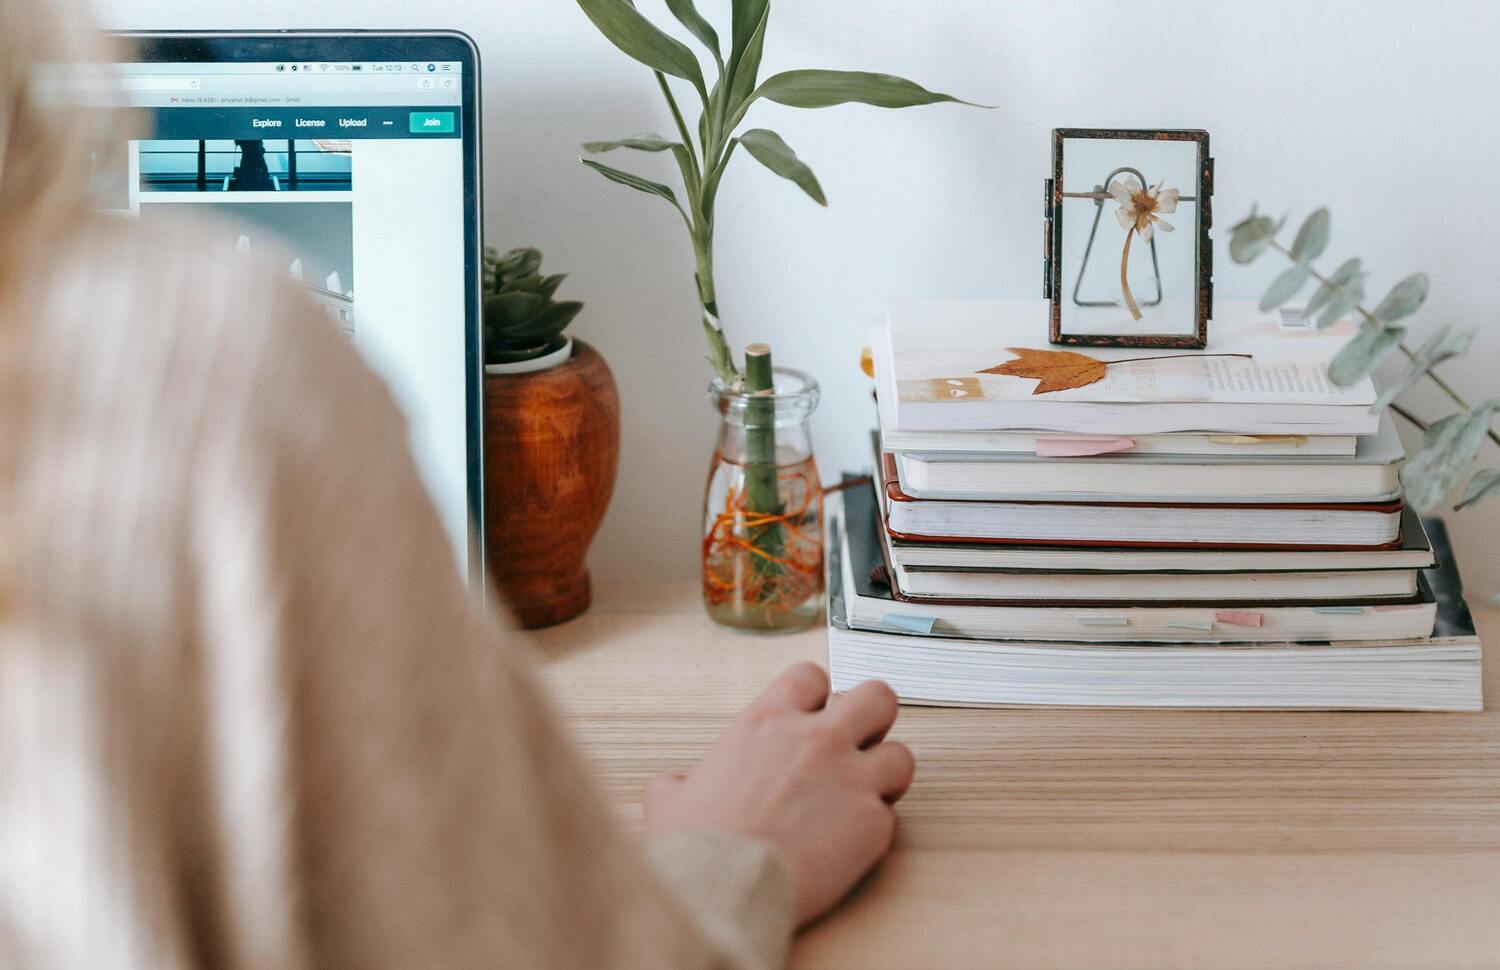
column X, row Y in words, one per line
column 44, row 147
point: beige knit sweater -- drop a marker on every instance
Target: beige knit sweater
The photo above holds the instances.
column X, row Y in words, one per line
column 249, row 716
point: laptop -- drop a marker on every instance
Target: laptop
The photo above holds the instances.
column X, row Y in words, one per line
column 355, row 157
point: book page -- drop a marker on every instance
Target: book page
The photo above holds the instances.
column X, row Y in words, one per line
column 939, row 351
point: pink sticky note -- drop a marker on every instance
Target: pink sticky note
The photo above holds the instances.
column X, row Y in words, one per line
column 1241, row 618
column 1081, row 447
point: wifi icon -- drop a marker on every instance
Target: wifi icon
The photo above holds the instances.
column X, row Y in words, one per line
column 322, row 67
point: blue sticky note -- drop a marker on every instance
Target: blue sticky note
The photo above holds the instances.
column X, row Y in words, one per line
column 911, row 624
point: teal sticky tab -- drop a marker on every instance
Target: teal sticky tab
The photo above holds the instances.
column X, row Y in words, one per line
column 1203, row 625
column 911, row 624
column 1340, row 610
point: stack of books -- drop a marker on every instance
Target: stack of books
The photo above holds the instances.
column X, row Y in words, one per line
column 1222, row 528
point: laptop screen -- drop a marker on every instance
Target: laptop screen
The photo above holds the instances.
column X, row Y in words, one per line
column 352, row 175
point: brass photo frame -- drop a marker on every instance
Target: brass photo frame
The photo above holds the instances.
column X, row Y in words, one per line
column 1158, row 185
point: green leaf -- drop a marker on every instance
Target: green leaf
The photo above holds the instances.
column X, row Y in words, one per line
column 824, row 89
column 1285, row 286
column 744, row 69
column 512, row 309
column 1363, row 354
column 525, row 284
column 1404, row 299
column 1486, row 482
column 688, row 171
column 1436, row 429
column 637, row 183
column 1312, row 238
column 519, row 262
column 550, row 284
column 1449, row 448
column 767, row 148
column 711, row 182
column 1347, row 278
column 623, row 26
column 746, row 17
column 689, row 17
column 1251, row 236
column 1340, row 306
column 1441, row 346
column 641, row 143
column 548, row 324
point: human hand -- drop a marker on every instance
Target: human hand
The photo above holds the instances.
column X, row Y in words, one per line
column 815, row 779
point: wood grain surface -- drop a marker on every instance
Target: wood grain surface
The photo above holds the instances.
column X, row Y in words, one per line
column 1074, row 838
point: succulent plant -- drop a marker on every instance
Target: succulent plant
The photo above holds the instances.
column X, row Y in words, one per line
column 521, row 320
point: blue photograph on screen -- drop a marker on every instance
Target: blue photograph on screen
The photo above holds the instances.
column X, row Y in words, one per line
column 247, row 165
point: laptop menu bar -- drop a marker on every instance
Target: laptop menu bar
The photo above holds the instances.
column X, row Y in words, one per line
column 214, row 124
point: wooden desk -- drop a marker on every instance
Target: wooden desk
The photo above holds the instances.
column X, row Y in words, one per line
column 1070, row 838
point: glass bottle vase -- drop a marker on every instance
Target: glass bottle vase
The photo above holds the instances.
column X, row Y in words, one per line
column 763, row 509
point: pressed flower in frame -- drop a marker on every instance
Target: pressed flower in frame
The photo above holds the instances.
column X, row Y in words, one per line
column 1139, row 213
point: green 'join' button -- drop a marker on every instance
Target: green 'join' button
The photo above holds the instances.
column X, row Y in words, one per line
column 431, row 122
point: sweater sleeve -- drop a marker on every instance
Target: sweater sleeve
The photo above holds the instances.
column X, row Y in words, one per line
column 379, row 756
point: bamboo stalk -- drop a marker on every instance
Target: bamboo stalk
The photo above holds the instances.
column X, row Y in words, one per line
column 762, row 495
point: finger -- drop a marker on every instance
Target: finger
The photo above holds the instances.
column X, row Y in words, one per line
column 867, row 712
column 802, row 686
column 892, row 767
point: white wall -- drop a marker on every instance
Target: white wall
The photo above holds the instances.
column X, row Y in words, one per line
column 1384, row 110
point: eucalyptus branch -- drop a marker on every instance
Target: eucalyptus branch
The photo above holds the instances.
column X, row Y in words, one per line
column 1375, row 321
column 1410, row 418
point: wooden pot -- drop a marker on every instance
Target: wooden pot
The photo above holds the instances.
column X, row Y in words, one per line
column 552, row 446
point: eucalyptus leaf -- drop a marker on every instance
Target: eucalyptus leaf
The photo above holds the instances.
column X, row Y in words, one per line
column 1286, row 286
column 1404, row 299
column 767, row 147
column 1342, row 305
column 641, row 143
column 1437, row 429
column 824, row 89
column 1363, row 354
column 1343, row 290
column 1312, row 238
column 627, row 29
column 687, row 15
column 637, row 183
column 1442, row 346
column 1486, row 482
column 1250, row 237
column 1447, row 452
